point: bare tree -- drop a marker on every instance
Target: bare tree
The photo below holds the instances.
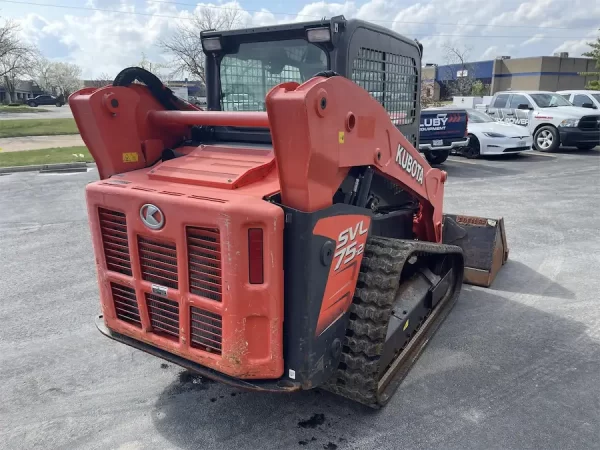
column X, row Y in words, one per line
column 66, row 78
column 460, row 76
column 185, row 45
column 41, row 73
column 162, row 71
column 16, row 58
column 104, row 79
column 58, row 78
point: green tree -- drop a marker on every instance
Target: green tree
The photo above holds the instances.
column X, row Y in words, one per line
column 595, row 54
column 478, row 89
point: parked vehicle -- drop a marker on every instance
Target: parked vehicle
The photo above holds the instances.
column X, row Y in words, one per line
column 490, row 137
column 550, row 118
column 241, row 102
column 46, row 99
column 584, row 99
column 442, row 130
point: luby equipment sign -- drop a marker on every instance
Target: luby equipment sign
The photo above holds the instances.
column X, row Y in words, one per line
column 438, row 123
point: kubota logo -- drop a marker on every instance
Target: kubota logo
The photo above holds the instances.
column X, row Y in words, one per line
column 409, row 164
column 152, row 216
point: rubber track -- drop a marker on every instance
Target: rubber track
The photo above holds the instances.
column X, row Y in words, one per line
column 357, row 375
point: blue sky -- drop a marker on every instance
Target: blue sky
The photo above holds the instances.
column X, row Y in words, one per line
column 119, row 31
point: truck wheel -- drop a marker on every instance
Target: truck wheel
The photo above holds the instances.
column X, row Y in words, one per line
column 437, row 157
column 546, row 139
column 586, row 147
column 58, row 104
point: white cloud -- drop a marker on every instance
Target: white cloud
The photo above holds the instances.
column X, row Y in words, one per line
column 532, row 40
column 104, row 41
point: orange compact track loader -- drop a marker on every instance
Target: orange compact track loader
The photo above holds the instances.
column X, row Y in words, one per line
column 291, row 236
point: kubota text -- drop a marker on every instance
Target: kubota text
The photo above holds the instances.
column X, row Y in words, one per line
column 410, row 164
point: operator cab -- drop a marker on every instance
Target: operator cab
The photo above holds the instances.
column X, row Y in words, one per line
column 243, row 65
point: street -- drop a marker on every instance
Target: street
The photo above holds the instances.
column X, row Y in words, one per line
column 52, row 113
column 514, row 366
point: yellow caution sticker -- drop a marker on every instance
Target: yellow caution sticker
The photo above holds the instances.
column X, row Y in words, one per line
column 405, row 326
column 341, row 137
column 130, row 157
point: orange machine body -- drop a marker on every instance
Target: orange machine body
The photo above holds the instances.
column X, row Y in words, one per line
column 184, row 287
column 209, row 312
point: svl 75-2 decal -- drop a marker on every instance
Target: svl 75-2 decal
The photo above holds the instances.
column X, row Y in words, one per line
column 349, row 232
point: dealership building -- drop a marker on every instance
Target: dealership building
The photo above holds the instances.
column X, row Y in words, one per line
column 544, row 73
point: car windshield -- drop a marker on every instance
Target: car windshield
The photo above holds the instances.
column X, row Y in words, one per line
column 478, row 116
column 550, row 100
column 248, row 75
column 596, row 97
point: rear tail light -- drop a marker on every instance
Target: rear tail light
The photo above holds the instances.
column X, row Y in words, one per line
column 466, row 125
column 255, row 256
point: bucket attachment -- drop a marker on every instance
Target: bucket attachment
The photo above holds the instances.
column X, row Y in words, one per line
column 483, row 242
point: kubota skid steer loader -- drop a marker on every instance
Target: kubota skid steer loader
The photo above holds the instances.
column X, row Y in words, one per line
column 290, row 249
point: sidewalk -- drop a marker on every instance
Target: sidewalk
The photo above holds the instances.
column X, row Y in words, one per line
column 18, row 144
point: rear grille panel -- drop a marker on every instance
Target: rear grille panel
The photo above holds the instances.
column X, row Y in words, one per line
column 204, row 260
column 206, row 330
column 164, row 316
column 113, row 227
column 158, row 262
column 589, row 123
column 126, row 305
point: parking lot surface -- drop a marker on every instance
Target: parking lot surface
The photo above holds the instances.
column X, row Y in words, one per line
column 514, row 366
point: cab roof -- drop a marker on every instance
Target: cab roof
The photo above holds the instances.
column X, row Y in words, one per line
column 577, row 91
column 349, row 26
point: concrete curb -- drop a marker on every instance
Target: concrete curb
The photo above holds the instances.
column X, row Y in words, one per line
column 49, row 168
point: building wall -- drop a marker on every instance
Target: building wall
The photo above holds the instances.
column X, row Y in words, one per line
column 545, row 73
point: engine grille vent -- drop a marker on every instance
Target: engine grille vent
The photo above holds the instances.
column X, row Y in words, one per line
column 158, row 262
column 164, row 316
column 589, row 123
column 204, row 260
column 208, row 199
column 206, row 330
column 126, row 304
column 113, row 226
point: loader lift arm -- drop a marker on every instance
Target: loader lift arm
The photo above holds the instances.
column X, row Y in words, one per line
column 326, row 126
column 322, row 129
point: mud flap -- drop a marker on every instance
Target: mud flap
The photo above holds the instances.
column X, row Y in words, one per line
column 483, row 242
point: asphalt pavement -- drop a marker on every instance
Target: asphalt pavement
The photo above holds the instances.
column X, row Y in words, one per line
column 515, row 366
column 52, row 113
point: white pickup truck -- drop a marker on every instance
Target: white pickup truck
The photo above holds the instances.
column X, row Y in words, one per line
column 550, row 118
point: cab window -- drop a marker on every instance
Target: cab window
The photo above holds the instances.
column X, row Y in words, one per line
column 580, row 99
column 501, row 101
column 250, row 73
column 518, row 99
column 391, row 79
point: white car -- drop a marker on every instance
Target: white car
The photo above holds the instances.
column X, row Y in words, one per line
column 490, row 137
column 583, row 99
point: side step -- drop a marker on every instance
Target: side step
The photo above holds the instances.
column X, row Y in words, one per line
column 405, row 291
